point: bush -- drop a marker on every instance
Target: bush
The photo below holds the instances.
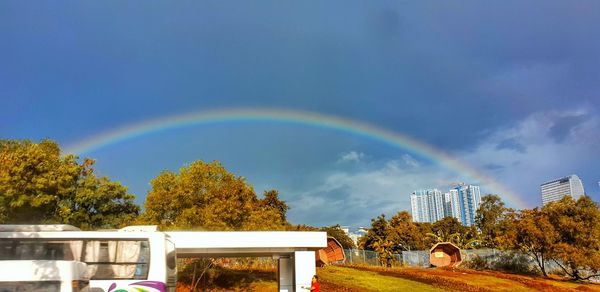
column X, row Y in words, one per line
column 505, row 261
column 515, row 263
column 477, row 263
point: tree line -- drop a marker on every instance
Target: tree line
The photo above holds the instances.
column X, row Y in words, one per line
column 40, row 185
column 566, row 232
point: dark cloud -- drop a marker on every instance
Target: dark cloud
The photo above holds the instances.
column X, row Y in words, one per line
column 563, row 126
column 494, row 167
column 511, row 144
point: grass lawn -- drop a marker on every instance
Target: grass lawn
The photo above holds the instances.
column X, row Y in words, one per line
column 368, row 278
column 471, row 280
column 356, row 280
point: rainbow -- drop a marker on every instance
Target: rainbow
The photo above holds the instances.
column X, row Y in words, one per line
column 311, row 119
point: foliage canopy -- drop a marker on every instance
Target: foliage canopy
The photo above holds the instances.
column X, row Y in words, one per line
column 207, row 196
column 38, row 185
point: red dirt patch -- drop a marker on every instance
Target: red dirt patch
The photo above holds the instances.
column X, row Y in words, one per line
column 328, row 286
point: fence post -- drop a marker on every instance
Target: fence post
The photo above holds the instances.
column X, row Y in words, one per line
column 351, row 256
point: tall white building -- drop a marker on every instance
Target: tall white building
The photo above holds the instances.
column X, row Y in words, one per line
column 451, row 205
column 469, row 199
column 555, row 190
column 427, row 205
column 460, row 202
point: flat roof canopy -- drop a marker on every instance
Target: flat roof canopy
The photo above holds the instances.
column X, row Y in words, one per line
column 245, row 243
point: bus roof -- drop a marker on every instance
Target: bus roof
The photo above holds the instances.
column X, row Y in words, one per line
column 37, row 227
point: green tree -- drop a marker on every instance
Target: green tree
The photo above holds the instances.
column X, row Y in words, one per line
column 385, row 251
column 207, row 196
column 339, row 234
column 404, row 233
column 531, row 232
column 271, row 200
column 577, row 224
column 379, row 240
column 444, row 229
column 449, row 229
column 489, row 219
column 38, row 185
column 379, row 229
column 425, row 228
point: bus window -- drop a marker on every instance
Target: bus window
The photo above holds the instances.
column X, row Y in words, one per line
column 28, row 249
column 122, row 259
column 117, row 259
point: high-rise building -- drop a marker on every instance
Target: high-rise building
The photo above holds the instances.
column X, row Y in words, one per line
column 555, row 190
column 427, row 205
column 451, row 205
column 469, row 199
column 460, row 202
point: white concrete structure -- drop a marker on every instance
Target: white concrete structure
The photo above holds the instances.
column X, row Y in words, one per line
column 555, row 190
column 295, row 251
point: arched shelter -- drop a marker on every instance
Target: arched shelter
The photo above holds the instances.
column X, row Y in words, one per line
column 445, row 254
column 334, row 252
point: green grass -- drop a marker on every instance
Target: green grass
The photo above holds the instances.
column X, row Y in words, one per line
column 371, row 281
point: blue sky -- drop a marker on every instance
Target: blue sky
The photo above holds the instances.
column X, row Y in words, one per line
column 508, row 87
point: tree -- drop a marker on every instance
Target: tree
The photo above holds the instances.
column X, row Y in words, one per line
column 442, row 230
column 531, row 232
column 271, row 200
column 378, row 239
column 449, row 229
column 339, row 234
column 385, row 250
column 38, row 185
column 577, row 224
column 378, row 230
column 207, row 196
column 404, row 233
column 425, row 228
column 489, row 218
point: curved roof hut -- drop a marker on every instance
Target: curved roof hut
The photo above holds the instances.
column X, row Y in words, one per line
column 445, row 254
column 333, row 253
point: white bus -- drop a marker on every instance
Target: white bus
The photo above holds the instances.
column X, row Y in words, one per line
column 43, row 276
column 115, row 260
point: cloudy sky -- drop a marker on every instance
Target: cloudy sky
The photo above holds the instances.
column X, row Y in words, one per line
column 510, row 88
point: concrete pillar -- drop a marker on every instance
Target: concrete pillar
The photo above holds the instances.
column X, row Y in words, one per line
column 304, row 269
column 285, row 274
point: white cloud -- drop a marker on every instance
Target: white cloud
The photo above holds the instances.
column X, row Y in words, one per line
column 351, row 156
column 543, row 146
column 350, row 197
column 411, row 161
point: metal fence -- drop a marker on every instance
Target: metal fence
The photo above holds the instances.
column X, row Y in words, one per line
column 416, row 258
column 361, row 257
column 491, row 259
